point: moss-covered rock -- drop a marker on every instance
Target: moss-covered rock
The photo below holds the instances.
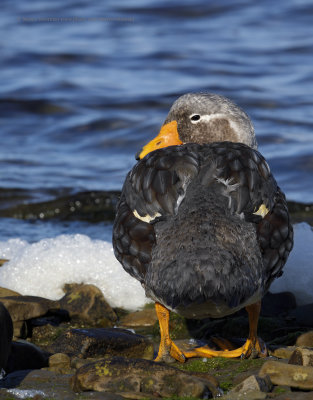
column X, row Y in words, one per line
column 118, row 374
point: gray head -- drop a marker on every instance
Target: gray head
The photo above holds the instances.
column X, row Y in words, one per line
column 206, row 117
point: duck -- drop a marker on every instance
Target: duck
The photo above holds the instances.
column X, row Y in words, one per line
column 202, row 223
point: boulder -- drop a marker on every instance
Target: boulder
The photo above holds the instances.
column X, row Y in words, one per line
column 119, row 374
column 302, row 356
column 97, row 342
column 86, row 302
column 6, row 334
column 295, row 376
column 306, row 339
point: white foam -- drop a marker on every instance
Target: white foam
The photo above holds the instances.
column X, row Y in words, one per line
column 26, row 394
column 42, row 268
column 298, row 271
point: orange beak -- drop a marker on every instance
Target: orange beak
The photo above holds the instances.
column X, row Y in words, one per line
column 168, row 136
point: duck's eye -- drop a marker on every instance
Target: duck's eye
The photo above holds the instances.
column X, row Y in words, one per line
column 195, row 117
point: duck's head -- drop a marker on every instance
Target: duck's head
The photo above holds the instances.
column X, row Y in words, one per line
column 202, row 118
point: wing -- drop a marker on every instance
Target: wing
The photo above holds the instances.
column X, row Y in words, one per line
column 254, row 195
column 153, row 189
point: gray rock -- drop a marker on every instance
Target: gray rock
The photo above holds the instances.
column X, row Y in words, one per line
column 296, row 376
column 118, row 374
column 97, row 342
column 6, row 334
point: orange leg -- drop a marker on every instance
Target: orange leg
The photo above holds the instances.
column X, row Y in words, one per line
column 252, row 348
column 168, row 349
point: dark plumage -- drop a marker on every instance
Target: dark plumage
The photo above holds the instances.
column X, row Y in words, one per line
column 203, row 225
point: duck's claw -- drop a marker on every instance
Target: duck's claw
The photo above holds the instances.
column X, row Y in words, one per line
column 254, row 349
column 169, row 352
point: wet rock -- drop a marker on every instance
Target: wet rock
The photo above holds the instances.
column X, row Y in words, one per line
column 86, row 302
column 118, row 374
column 60, row 363
column 26, row 355
column 97, row 342
column 303, row 314
column 6, row 334
column 274, row 304
column 283, row 352
column 302, row 356
column 141, row 318
column 45, row 384
column 289, row 375
column 306, row 339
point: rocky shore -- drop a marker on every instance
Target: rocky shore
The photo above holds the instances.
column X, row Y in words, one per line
column 79, row 347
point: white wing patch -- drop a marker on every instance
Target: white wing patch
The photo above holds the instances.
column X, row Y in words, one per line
column 147, row 218
column 262, row 211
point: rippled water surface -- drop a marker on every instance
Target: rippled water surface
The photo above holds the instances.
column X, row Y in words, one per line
column 84, row 85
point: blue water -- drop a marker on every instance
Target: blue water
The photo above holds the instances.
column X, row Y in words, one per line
column 84, row 86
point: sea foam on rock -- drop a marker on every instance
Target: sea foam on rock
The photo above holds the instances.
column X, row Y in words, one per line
column 42, row 269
